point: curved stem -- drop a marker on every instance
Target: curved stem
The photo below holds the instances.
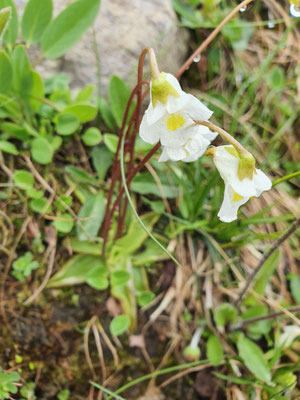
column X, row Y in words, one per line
column 133, row 208
column 225, row 135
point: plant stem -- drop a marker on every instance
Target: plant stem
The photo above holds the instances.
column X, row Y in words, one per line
column 210, row 38
column 285, row 178
column 249, row 321
column 225, row 135
column 116, row 171
column 274, row 246
column 133, row 208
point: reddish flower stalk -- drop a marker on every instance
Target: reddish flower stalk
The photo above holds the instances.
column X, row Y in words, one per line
column 116, row 169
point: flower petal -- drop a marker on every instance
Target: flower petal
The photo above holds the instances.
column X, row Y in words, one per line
column 176, row 154
column 196, row 109
column 262, row 182
column 174, row 82
column 164, row 155
column 230, row 205
column 154, row 114
column 148, row 133
column 177, row 137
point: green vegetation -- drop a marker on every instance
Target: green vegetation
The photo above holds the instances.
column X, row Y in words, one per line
column 91, row 299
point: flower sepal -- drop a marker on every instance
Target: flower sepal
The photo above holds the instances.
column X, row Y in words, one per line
column 161, row 88
column 246, row 167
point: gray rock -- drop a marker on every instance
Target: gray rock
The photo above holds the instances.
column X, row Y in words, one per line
column 121, row 30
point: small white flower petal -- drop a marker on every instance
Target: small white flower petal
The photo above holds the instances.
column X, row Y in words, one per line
column 154, row 114
column 262, row 182
column 176, row 137
column 207, row 133
column 164, row 155
column 176, row 154
column 174, row 82
column 229, row 207
column 226, row 163
column 196, row 143
column 196, row 109
column 193, row 157
column 290, row 333
column 148, row 133
column 176, row 104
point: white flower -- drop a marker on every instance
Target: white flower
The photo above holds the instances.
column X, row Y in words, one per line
column 170, row 119
column 290, row 333
column 194, row 147
column 242, row 180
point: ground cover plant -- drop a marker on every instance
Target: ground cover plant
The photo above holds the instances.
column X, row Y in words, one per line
column 152, row 255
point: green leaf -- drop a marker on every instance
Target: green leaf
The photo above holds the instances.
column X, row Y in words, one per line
column 75, row 271
column 63, row 395
column 10, row 105
column 295, row 288
column 145, row 184
column 136, row 235
column 64, row 224
column 106, row 114
column 23, row 179
column 34, row 194
column 93, row 209
column 68, row 27
column 37, row 15
column 8, row 147
column 11, row 32
column 84, row 246
column 79, row 175
column 22, row 75
column 254, row 359
column 41, row 151
column 6, row 72
column 266, row 271
column 102, row 160
column 145, row 298
column 119, row 325
column 275, row 78
column 259, row 328
column 119, row 94
column 66, row 124
column 92, row 136
column 85, row 94
column 40, row 206
column 37, row 91
column 15, row 131
column 224, row 314
column 83, row 112
column 111, row 141
column 214, row 350
column 5, row 15
column 120, row 277
column 97, row 278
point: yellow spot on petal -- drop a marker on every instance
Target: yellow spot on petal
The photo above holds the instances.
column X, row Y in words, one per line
column 175, row 122
column 237, row 197
column 187, row 154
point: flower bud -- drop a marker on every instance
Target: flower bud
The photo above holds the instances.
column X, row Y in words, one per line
column 192, row 353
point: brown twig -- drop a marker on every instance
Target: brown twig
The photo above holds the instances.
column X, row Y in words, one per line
column 249, row 321
column 274, row 246
column 51, row 237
